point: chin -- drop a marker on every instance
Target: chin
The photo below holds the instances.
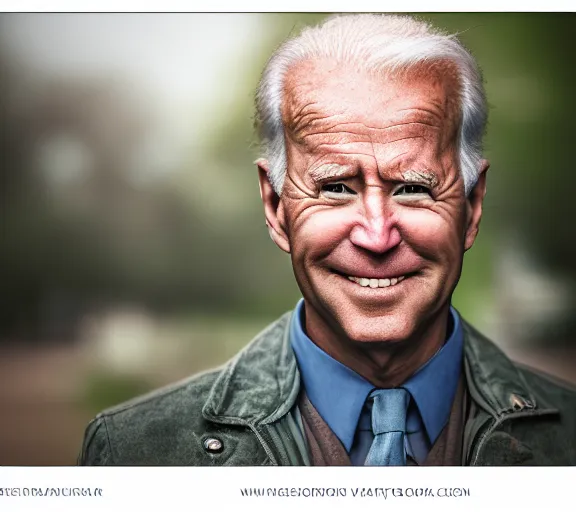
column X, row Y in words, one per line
column 388, row 328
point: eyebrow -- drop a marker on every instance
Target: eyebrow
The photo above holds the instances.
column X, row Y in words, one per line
column 428, row 177
column 330, row 171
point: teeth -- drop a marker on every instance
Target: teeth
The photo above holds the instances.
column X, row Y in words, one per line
column 376, row 283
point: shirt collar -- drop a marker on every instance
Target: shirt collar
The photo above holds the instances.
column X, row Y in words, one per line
column 338, row 393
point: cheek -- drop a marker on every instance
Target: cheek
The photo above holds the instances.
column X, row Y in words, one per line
column 429, row 233
column 320, row 232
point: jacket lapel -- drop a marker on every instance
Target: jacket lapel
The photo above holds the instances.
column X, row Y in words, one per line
column 261, row 384
column 258, row 389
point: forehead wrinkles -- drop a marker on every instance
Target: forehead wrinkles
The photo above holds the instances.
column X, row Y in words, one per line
column 322, row 98
column 443, row 75
column 317, row 93
column 301, row 110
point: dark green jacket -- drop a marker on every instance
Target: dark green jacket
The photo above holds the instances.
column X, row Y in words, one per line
column 520, row 417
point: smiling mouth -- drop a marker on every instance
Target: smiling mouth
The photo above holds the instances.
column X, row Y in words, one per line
column 366, row 282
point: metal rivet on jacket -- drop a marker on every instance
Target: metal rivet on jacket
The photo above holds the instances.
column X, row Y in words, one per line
column 519, row 403
column 213, row 445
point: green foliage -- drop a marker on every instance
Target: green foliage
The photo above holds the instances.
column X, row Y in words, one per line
column 104, row 390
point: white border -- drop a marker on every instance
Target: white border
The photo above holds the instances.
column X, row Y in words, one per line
column 292, row 6
column 437, row 489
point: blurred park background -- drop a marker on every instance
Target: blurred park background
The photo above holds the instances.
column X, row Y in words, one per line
column 133, row 246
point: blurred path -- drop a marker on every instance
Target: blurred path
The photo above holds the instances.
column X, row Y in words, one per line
column 40, row 420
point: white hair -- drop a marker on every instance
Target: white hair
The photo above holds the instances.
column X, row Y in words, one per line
column 372, row 42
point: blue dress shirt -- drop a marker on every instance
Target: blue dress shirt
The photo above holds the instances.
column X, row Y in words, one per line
column 339, row 394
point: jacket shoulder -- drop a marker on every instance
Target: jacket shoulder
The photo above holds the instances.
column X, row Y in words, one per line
column 164, row 427
column 551, row 436
column 170, row 426
column 534, row 413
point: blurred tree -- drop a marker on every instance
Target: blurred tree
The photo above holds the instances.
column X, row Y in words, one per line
column 78, row 233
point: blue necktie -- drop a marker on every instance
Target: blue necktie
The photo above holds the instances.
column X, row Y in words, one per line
column 389, row 427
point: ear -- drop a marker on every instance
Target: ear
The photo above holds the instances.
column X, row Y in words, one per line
column 474, row 206
column 273, row 208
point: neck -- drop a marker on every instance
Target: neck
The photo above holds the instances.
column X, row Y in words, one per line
column 385, row 364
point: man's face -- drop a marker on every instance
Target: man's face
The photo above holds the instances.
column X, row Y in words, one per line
column 373, row 210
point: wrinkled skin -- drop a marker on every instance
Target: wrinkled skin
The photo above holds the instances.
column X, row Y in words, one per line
column 373, row 190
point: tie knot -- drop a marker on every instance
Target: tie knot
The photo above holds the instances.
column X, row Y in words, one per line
column 389, row 410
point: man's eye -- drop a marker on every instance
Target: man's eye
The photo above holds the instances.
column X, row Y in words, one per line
column 337, row 188
column 412, row 189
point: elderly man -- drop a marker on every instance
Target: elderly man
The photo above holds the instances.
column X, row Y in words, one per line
column 372, row 180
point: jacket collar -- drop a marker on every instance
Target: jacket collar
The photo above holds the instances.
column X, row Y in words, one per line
column 261, row 384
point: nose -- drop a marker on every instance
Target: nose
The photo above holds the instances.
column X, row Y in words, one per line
column 376, row 231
